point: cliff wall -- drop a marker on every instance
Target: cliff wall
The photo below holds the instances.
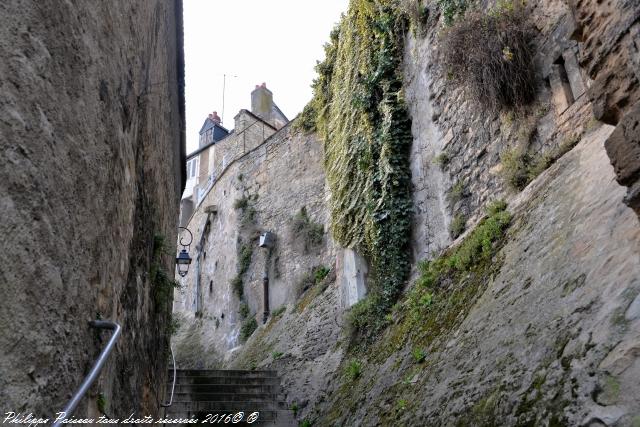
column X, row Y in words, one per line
column 92, row 137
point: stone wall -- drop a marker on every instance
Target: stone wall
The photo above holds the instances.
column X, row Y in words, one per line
column 609, row 35
column 92, row 138
column 264, row 190
column 447, row 123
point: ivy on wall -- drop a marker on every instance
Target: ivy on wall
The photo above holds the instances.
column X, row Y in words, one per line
column 359, row 112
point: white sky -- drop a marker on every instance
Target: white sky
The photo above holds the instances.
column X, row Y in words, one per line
column 252, row 41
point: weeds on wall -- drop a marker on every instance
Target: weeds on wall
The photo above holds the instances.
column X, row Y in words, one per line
column 353, row 370
column 244, row 255
column 520, row 166
column 440, row 289
column 491, row 55
column 307, row 233
column 248, row 328
column 442, row 160
column 361, row 117
column 457, row 226
column 452, row 9
column 314, row 283
column 163, row 283
column 418, row 15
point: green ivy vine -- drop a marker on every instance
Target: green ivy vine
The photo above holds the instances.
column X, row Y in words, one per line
column 360, row 114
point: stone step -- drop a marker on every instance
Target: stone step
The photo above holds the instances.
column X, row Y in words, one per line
column 186, row 381
column 200, row 392
column 279, row 418
column 221, row 373
column 227, row 388
column 228, row 397
column 222, row 405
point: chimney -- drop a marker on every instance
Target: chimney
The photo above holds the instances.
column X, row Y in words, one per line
column 262, row 102
column 214, row 117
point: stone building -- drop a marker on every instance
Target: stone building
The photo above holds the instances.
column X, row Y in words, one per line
column 218, row 147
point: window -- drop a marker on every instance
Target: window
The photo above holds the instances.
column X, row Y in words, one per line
column 192, row 168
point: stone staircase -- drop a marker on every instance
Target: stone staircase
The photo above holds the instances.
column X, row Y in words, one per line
column 210, row 395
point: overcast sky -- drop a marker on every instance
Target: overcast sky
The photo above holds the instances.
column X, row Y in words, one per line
column 252, row 41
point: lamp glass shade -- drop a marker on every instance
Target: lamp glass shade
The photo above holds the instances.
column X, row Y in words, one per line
column 183, row 257
column 183, row 269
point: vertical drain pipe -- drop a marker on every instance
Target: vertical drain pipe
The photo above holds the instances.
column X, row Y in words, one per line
column 265, row 292
column 266, row 241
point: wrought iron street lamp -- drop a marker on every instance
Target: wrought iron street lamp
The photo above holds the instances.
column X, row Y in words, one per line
column 183, row 260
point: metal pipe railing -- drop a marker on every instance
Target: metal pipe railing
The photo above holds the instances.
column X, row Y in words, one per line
column 95, row 369
column 173, row 386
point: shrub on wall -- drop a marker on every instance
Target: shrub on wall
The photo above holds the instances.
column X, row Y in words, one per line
column 307, row 233
column 491, row 55
column 363, row 121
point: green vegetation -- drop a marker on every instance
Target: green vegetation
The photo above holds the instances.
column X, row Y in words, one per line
column 174, row 325
column 247, row 211
column 320, row 273
column 422, row 322
column 236, row 285
column 101, row 403
column 277, row 355
column 456, row 193
column 477, row 249
column 241, row 203
column 418, row 15
column 294, row 408
column 313, row 277
column 244, row 311
column 419, row 355
column 306, row 423
column 453, row 9
column 279, row 311
column 458, row 225
column 363, row 121
column 520, row 167
column 353, row 370
column 248, row 328
column 244, row 257
column 307, row 232
column 490, row 53
column 245, row 252
column 163, row 283
column 316, row 281
column 442, row 160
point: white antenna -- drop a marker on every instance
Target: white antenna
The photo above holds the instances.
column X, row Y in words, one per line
column 224, row 86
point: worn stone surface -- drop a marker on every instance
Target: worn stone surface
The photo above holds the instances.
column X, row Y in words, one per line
column 446, row 122
column 549, row 341
column 623, row 148
column 610, row 53
column 91, row 138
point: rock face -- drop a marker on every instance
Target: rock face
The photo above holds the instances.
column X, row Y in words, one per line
column 552, row 338
column 610, row 52
column 93, row 167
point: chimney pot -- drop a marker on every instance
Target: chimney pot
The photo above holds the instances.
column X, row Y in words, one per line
column 214, row 117
column 264, row 85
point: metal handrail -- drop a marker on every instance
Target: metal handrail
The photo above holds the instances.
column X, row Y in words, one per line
column 173, row 386
column 95, row 369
